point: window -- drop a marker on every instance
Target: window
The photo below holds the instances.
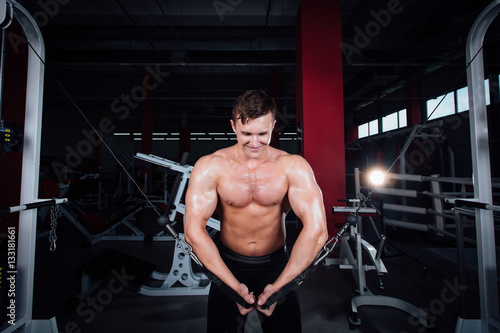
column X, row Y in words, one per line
column 487, row 91
column 402, row 118
column 373, row 127
column 363, row 131
column 390, row 122
column 368, row 129
column 441, row 106
column 444, row 105
column 463, row 97
column 394, row 121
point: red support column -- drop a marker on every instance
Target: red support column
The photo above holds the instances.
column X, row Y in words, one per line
column 351, row 133
column 413, row 104
column 320, row 108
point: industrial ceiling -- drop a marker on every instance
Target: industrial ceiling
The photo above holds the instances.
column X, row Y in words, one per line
column 203, row 53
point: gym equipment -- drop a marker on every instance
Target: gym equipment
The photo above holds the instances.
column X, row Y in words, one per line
column 485, row 231
column 6, row 133
column 181, row 280
column 440, row 216
column 183, row 249
column 481, row 170
column 11, row 136
column 33, row 205
column 54, row 212
column 174, row 204
column 438, row 212
column 96, row 230
column 26, row 234
column 88, row 191
column 354, row 262
column 439, row 227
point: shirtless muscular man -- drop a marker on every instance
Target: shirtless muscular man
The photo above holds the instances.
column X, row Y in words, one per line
column 252, row 186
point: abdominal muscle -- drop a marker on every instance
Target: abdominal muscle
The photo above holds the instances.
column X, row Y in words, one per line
column 253, row 231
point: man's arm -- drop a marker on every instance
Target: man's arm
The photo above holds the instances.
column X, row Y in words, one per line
column 306, row 201
column 201, row 202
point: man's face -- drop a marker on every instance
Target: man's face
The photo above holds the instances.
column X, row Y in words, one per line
column 255, row 135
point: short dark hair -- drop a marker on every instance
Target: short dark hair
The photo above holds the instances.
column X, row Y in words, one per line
column 253, row 104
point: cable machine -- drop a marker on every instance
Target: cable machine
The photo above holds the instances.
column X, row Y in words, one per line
column 487, row 269
column 26, row 233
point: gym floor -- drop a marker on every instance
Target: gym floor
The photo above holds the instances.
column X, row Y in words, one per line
column 421, row 271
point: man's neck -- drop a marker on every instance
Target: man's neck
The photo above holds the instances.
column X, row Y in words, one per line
column 251, row 162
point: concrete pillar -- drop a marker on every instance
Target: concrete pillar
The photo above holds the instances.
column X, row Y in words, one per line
column 320, row 107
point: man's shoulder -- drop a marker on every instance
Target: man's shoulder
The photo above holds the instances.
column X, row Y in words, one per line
column 293, row 165
column 288, row 158
column 220, row 156
column 214, row 159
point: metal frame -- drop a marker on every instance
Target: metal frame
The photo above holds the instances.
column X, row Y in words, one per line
column 180, row 281
column 30, row 179
column 438, row 227
column 437, row 196
column 485, row 231
column 488, row 289
column 33, row 205
column 181, row 272
column 111, row 234
column 353, row 262
column 185, row 171
column 468, row 325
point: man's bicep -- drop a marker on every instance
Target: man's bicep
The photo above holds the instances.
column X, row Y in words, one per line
column 304, row 194
column 307, row 204
column 201, row 196
column 199, row 205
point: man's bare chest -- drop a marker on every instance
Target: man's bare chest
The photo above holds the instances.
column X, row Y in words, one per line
column 240, row 187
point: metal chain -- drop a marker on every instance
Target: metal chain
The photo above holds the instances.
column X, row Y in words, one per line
column 54, row 214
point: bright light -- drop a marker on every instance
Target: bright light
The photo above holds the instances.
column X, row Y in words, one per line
column 377, row 177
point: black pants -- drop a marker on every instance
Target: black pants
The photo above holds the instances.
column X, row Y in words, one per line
column 255, row 272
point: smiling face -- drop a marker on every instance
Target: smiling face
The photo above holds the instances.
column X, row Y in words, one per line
column 255, row 135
